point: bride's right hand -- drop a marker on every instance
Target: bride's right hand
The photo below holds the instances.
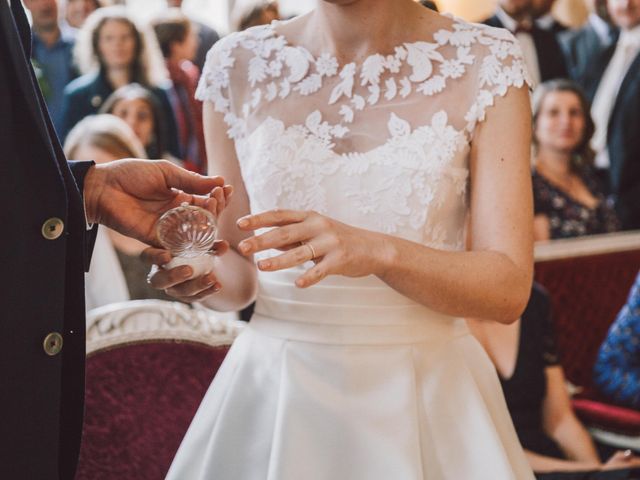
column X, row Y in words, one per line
column 336, row 248
column 178, row 282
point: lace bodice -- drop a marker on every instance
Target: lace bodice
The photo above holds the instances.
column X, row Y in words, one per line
column 381, row 145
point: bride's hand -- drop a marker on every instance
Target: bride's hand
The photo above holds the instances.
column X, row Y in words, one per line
column 336, row 248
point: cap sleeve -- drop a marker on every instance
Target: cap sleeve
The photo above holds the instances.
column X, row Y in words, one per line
column 501, row 67
column 215, row 82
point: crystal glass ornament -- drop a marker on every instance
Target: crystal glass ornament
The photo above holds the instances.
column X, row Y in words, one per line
column 188, row 232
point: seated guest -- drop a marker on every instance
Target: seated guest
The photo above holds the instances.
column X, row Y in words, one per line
column 540, row 48
column 140, row 109
column 51, row 52
column 75, row 12
column 617, row 368
column 178, row 41
column 112, row 52
column 541, row 12
column 612, row 80
column 533, row 383
column 250, row 13
column 582, row 45
column 568, row 198
column 117, row 273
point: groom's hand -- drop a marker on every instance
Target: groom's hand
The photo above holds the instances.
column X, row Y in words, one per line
column 179, row 282
column 130, row 195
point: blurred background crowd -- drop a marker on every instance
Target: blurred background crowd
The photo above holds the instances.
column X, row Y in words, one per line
column 95, row 59
column 119, row 81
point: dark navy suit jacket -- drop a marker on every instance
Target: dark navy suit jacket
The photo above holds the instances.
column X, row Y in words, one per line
column 550, row 58
column 42, row 282
column 579, row 48
column 623, row 139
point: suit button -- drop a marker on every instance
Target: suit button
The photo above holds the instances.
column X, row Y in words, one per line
column 52, row 228
column 96, row 101
column 52, row 344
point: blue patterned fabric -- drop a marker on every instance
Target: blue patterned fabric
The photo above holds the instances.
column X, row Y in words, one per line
column 617, row 368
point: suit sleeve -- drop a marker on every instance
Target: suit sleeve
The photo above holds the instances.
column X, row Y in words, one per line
column 79, row 171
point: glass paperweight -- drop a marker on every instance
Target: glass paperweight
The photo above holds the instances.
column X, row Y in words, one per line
column 188, row 232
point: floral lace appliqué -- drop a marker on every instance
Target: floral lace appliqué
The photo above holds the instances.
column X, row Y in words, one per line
column 414, row 181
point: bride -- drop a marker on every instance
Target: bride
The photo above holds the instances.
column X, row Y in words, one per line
column 365, row 141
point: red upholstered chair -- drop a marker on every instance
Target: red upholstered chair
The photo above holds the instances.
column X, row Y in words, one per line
column 149, row 363
column 589, row 281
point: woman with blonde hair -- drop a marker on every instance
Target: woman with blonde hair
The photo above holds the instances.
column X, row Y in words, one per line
column 117, row 274
column 111, row 51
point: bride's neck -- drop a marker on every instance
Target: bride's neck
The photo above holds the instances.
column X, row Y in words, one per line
column 354, row 29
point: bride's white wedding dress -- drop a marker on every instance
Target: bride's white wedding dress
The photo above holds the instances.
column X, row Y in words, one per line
column 349, row 380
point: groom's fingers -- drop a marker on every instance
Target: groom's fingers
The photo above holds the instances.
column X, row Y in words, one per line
column 215, row 202
column 164, row 279
column 194, row 287
column 155, row 256
column 221, row 200
column 189, row 182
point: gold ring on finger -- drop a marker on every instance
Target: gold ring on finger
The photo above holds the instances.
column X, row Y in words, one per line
column 311, row 249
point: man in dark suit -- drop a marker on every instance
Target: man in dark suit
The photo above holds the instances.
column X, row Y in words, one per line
column 541, row 12
column 540, row 48
column 45, row 247
column 612, row 81
column 581, row 46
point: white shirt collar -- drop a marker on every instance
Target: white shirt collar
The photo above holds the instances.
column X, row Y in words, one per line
column 602, row 28
column 508, row 22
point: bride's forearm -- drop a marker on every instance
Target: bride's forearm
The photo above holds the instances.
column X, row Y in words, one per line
column 543, row 464
column 481, row 284
column 238, row 277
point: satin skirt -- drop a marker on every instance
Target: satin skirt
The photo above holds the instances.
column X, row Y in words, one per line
column 350, row 380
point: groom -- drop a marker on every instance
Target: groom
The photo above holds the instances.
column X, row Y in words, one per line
column 46, row 241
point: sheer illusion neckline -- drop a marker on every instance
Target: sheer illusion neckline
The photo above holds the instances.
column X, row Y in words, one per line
column 358, row 64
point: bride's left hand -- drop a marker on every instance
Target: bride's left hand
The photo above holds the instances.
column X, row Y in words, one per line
column 336, row 248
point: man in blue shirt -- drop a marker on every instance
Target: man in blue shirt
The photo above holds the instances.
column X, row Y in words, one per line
column 52, row 54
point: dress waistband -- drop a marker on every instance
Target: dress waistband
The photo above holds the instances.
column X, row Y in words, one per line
column 347, row 311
